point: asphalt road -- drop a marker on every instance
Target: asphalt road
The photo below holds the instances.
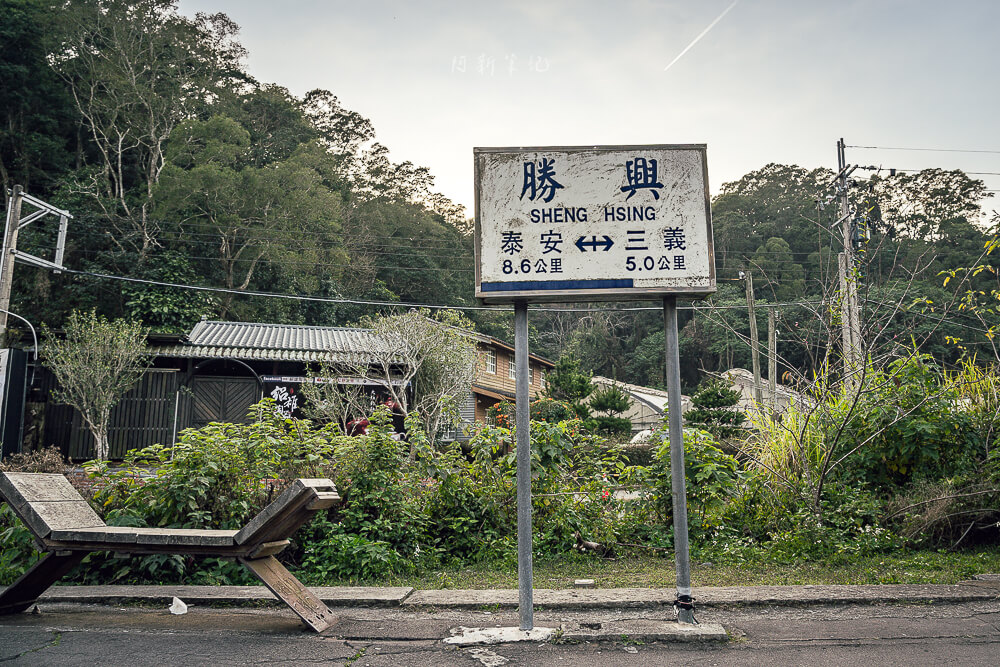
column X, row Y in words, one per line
column 901, row 634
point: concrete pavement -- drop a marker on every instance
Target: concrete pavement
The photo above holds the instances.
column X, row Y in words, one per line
column 401, row 626
column 966, row 633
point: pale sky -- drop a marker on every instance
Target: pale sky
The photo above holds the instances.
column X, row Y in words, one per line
column 771, row 81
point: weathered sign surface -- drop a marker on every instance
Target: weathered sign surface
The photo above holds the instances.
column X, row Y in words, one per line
column 592, row 223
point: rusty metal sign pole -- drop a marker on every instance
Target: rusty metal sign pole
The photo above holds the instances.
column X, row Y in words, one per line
column 522, row 427
column 684, row 603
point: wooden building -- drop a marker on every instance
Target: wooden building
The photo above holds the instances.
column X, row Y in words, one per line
column 215, row 373
column 220, row 369
column 495, row 382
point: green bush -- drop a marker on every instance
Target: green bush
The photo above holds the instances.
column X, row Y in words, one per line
column 715, row 409
column 848, row 524
column 711, row 475
column 910, row 426
column 617, row 427
column 551, row 410
column 218, row 476
column 544, row 409
column 17, row 546
column 381, row 497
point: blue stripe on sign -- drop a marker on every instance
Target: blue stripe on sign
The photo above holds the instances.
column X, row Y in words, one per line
column 531, row 285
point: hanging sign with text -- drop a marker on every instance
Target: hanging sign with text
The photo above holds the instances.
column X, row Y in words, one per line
column 592, row 223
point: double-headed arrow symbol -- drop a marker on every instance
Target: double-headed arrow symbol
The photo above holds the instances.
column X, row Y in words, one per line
column 593, row 243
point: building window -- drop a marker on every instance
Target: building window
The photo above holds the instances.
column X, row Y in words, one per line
column 491, row 361
column 541, row 379
column 531, row 374
column 511, row 368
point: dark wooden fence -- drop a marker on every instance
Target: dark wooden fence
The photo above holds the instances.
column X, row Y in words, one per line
column 145, row 416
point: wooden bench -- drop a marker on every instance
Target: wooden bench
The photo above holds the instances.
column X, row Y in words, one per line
column 65, row 526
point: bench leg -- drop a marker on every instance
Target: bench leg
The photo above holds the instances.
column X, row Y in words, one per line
column 25, row 591
column 290, row 590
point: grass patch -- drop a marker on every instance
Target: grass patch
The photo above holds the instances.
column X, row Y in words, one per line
column 756, row 569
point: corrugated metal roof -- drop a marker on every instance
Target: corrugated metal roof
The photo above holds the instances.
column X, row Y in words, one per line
column 273, row 342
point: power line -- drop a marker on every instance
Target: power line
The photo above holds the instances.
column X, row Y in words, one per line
column 273, row 295
column 933, row 150
column 971, row 173
column 401, row 304
column 290, row 262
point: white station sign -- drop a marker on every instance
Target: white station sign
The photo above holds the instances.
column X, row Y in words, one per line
column 592, row 223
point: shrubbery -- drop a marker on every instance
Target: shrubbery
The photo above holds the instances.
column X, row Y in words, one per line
column 910, row 461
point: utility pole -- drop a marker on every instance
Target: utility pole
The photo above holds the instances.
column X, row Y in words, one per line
column 850, row 324
column 10, row 253
column 772, row 361
column 7, row 258
column 754, row 344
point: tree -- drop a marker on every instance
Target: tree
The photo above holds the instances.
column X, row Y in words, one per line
column 782, row 276
column 916, row 205
column 331, row 402
column 246, row 217
column 136, row 69
column 775, row 201
column 424, row 365
column 36, row 118
column 568, row 383
column 612, row 400
column 715, row 409
column 95, row 364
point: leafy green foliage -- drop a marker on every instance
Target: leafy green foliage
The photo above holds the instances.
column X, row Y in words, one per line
column 711, row 477
column 613, row 426
column 715, row 409
column 551, row 410
column 380, row 527
column 17, row 547
column 908, row 428
column 566, row 382
column 95, row 364
column 610, row 399
column 544, row 409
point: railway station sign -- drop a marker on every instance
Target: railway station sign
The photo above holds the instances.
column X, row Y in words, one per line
column 591, row 223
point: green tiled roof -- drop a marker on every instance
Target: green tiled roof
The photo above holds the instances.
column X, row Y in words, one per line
column 272, row 342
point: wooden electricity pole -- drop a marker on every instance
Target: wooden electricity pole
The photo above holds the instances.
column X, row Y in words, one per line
column 850, row 323
column 754, row 343
column 772, row 360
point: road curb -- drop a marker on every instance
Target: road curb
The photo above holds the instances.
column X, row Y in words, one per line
column 332, row 596
column 569, row 599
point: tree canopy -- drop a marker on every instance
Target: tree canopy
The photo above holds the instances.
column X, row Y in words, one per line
column 181, row 168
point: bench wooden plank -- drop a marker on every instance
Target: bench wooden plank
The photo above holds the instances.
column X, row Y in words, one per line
column 67, row 526
column 290, row 590
column 286, row 513
column 47, row 502
column 25, row 591
column 115, row 536
column 21, row 487
column 42, row 517
column 186, row 537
